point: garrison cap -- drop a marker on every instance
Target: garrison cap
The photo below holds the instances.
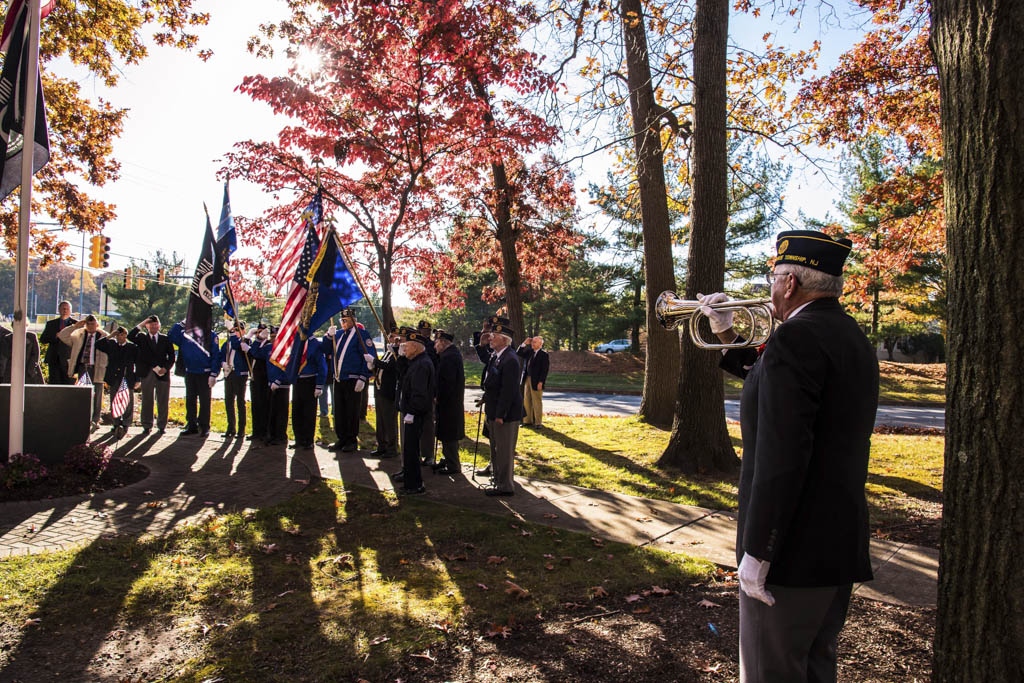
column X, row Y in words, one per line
column 812, row 249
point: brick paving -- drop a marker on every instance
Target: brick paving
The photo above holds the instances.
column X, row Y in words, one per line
column 189, row 477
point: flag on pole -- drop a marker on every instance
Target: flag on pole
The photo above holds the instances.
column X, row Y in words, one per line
column 84, row 380
column 332, row 286
column 227, row 243
column 283, row 342
column 286, row 259
column 120, row 401
column 209, row 273
column 13, row 84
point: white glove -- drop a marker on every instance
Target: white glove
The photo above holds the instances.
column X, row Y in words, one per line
column 264, row 334
column 318, row 392
column 408, row 419
column 213, row 380
column 752, row 573
column 226, row 368
column 360, row 385
column 245, row 347
column 274, row 386
column 368, row 357
column 332, row 330
column 720, row 320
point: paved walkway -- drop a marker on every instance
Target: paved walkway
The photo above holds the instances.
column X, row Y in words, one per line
column 191, row 478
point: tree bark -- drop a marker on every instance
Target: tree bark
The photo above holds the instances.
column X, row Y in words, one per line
column 980, row 623
column 700, row 440
column 661, row 366
column 638, row 294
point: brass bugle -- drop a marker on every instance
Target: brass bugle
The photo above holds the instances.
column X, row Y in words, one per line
column 671, row 311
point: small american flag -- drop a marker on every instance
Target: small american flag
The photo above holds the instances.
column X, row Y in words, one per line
column 120, row 402
column 281, row 353
column 84, row 380
column 290, row 252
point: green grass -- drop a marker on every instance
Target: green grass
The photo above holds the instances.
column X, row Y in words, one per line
column 569, row 381
column 356, row 582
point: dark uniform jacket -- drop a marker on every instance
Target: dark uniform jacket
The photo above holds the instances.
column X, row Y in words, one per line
column 535, row 365
column 503, row 393
column 451, row 389
column 807, row 413
column 385, row 374
column 57, row 352
column 158, row 355
column 259, row 356
column 33, row 373
column 418, row 386
column 120, row 362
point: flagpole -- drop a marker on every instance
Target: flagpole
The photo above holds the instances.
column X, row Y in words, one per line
column 16, row 431
column 359, row 283
column 231, row 296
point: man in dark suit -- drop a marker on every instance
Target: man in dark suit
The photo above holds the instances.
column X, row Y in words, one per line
column 503, row 406
column 121, row 359
column 153, row 366
column 535, row 374
column 419, row 386
column 57, row 352
column 385, row 389
column 482, row 346
column 808, row 410
column 259, row 386
column 236, row 365
column 451, row 410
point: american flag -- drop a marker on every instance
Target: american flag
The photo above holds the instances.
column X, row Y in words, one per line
column 283, row 343
column 84, row 380
column 288, row 255
column 120, row 401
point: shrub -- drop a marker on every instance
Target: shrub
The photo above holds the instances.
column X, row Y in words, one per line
column 21, row 468
column 88, row 458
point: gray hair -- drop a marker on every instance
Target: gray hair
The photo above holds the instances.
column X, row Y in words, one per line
column 815, row 280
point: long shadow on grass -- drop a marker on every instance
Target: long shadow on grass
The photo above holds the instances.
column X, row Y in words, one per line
column 657, row 480
column 914, row 489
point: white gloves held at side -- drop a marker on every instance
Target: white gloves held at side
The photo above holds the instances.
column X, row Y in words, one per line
column 213, row 380
column 368, row 357
column 720, row 320
column 752, row 574
column 360, row 385
column 274, row 386
column 318, row 392
column 408, row 419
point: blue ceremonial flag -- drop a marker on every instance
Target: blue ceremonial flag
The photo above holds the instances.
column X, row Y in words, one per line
column 332, row 286
column 227, row 243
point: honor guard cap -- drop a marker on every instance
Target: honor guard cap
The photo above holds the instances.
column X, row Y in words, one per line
column 812, row 249
column 348, row 313
column 441, row 334
column 504, row 329
column 411, row 335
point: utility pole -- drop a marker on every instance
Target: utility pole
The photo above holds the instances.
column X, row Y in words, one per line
column 81, row 279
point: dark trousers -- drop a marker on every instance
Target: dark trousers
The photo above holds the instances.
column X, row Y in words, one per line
column 795, row 640
column 347, row 402
column 304, row 410
column 161, row 386
column 450, row 453
column 324, row 399
column 59, row 373
column 234, row 397
column 197, row 391
column 387, row 423
column 277, row 417
column 427, row 436
column 412, row 477
column 259, row 397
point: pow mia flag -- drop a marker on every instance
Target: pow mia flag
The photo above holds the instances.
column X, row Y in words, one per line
column 209, row 273
column 13, row 84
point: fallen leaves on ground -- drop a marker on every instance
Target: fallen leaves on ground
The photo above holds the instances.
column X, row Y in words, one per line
column 495, row 630
column 516, row 591
column 598, row 592
column 268, row 548
column 707, row 604
column 379, row 639
column 495, row 559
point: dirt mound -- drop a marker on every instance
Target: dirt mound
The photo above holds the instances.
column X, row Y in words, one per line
column 926, row 371
column 588, row 362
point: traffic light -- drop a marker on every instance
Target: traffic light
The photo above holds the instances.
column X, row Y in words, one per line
column 99, row 251
column 128, row 278
column 140, row 283
column 161, row 275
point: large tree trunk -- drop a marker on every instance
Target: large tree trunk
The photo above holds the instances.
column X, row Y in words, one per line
column 509, row 259
column 634, row 332
column 980, row 624
column 661, row 368
column 700, row 440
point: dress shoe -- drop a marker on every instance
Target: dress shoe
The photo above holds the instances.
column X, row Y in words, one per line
column 251, row 437
column 485, row 472
column 493, row 491
column 94, row 426
column 293, row 445
column 161, row 430
column 190, row 432
column 398, row 476
column 119, row 433
column 376, row 452
column 229, row 434
column 336, row 446
column 205, row 433
column 146, row 430
column 350, row 448
column 411, row 492
column 388, row 454
column 307, row 446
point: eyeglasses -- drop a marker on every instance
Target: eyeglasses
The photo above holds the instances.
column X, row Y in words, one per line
column 771, row 276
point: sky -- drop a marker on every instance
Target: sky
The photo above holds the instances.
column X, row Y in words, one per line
column 184, row 114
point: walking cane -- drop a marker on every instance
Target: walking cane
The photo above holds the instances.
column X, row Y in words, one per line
column 476, row 448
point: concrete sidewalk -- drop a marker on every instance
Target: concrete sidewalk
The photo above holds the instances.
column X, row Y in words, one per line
column 904, row 574
column 190, row 478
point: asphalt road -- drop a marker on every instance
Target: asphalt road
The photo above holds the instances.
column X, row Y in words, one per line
column 570, row 403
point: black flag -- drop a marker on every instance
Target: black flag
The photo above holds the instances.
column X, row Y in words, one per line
column 13, row 84
column 209, row 273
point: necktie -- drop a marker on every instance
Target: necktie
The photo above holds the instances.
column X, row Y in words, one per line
column 154, row 340
column 89, row 342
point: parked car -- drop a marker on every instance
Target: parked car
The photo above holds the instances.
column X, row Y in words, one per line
column 613, row 346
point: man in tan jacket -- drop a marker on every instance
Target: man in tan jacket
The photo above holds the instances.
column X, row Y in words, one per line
column 86, row 358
